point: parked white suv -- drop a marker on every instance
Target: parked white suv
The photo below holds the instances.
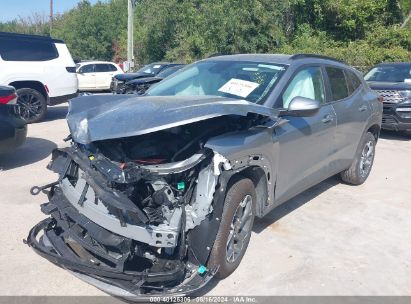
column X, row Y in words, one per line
column 40, row 68
column 96, row 75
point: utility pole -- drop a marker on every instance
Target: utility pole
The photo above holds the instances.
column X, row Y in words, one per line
column 51, row 15
column 408, row 18
column 130, row 38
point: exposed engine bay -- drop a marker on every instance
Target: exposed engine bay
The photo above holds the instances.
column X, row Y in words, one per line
column 140, row 213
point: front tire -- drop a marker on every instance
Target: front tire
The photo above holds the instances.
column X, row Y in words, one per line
column 235, row 229
column 361, row 167
column 32, row 105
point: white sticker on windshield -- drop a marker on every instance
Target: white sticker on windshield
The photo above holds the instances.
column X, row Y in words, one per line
column 238, row 87
column 407, row 80
column 156, row 66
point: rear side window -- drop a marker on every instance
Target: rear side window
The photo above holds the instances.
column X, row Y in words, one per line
column 26, row 49
column 112, row 68
column 353, row 81
column 100, row 68
column 338, row 83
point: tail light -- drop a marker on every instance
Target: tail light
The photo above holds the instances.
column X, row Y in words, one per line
column 381, row 99
column 9, row 99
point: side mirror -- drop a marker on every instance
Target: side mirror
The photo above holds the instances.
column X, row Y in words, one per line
column 303, row 107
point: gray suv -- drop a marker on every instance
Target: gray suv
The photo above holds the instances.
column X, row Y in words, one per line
column 157, row 194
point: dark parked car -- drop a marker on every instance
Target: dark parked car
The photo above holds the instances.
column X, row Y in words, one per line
column 141, row 85
column 157, row 197
column 149, row 70
column 13, row 129
column 392, row 81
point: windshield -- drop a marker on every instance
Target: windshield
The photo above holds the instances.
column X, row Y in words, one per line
column 390, row 73
column 168, row 71
column 251, row 81
column 151, row 69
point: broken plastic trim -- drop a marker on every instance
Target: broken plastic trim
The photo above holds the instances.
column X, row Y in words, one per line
column 117, row 283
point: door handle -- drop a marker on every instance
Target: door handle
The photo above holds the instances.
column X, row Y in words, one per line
column 362, row 108
column 327, row 118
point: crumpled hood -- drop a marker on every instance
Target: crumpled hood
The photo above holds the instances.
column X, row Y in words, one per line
column 131, row 76
column 400, row 86
column 145, row 80
column 100, row 117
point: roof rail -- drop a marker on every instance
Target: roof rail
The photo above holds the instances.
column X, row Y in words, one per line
column 301, row 56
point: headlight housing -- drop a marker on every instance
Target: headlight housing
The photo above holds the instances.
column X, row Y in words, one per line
column 405, row 94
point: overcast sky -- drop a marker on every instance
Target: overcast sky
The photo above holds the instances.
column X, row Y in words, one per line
column 11, row 9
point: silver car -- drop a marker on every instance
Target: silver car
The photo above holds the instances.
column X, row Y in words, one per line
column 157, row 194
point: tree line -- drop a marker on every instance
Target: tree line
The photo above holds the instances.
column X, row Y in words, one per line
column 361, row 32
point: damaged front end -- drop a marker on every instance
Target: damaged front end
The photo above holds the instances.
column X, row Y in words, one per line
column 140, row 196
column 137, row 216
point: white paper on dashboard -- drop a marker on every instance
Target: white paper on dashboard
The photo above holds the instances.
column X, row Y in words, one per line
column 238, row 87
column 407, row 80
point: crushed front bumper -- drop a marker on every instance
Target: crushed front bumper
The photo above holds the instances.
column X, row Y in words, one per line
column 117, row 87
column 69, row 240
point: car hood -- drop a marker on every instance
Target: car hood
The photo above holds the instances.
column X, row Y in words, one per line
column 145, row 80
column 401, row 86
column 130, row 76
column 100, row 117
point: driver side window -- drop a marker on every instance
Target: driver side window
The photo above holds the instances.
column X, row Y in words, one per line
column 87, row 69
column 306, row 83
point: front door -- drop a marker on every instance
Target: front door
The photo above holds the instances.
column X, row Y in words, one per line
column 86, row 77
column 305, row 142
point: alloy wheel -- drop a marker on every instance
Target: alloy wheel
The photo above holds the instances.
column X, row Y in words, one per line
column 240, row 229
column 29, row 106
column 367, row 158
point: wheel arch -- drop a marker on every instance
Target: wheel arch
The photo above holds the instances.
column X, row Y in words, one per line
column 260, row 179
column 375, row 130
column 30, row 84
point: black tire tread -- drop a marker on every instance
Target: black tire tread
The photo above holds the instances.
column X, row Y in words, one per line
column 42, row 99
column 352, row 174
column 218, row 253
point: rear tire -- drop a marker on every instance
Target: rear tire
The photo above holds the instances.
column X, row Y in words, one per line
column 235, row 229
column 32, row 105
column 361, row 167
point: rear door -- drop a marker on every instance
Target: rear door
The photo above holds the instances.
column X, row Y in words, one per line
column 346, row 93
column 103, row 76
column 305, row 142
column 86, row 77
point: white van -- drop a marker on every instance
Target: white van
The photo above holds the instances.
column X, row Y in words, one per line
column 40, row 68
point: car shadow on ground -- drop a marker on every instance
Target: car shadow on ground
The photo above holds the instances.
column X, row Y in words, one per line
column 33, row 150
column 294, row 203
column 56, row 113
column 395, row 135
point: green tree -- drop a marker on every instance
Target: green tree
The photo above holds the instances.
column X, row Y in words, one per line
column 91, row 32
